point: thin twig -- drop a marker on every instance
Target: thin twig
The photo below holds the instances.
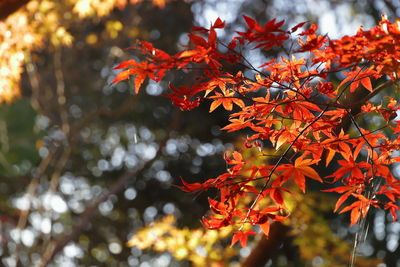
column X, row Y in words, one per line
column 370, row 193
column 61, row 98
column 278, row 162
column 30, row 192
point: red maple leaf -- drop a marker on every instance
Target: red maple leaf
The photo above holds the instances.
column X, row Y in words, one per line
column 241, row 237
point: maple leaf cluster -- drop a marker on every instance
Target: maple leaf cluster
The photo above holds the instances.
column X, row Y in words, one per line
column 291, row 104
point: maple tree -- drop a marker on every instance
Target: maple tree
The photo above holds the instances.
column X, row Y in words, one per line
column 291, row 104
column 79, row 132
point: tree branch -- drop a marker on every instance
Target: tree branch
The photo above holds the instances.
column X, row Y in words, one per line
column 56, row 246
column 7, row 7
column 266, row 248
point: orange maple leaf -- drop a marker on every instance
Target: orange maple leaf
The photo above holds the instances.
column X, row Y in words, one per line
column 227, row 101
column 299, row 171
column 140, row 69
column 241, row 237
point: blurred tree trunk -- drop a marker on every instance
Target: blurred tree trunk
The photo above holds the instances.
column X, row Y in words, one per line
column 266, row 249
column 7, row 7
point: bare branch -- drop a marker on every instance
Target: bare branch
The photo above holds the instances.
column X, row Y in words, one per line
column 56, row 246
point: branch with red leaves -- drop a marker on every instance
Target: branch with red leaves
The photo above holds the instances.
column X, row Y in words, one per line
column 292, row 105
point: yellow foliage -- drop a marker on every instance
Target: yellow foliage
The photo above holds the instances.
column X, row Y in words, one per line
column 158, row 3
column 22, row 32
column 113, row 27
column 311, row 231
column 37, row 22
column 313, row 235
column 92, row 39
column 200, row 246
column 98, row 8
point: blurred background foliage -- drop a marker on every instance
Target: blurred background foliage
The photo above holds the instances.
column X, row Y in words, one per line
column 74, row 181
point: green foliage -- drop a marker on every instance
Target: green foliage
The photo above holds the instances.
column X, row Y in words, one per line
column 19, row 138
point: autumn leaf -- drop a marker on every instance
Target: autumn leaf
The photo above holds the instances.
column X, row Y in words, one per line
column 214, row 223
column 360, row 76
column 227, row 101
column 123, row 75
column 265, row 227
column 218, row 24
column 277, row 196
column 187, row 53
column 303, row 164
column 267, row 36
column 237, row 124
column 329, row 156
column 341, row 200
column 299, row 171
column 197, row 40
column 140, row 70
column 184, row 103
column 310, row 31
column 192, row 187
column 218, row 207
column 293, row 103
column 241, row 237
column 252, row 24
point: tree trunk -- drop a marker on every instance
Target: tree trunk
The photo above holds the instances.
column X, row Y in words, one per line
column 266, row 249
column 7, row 7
